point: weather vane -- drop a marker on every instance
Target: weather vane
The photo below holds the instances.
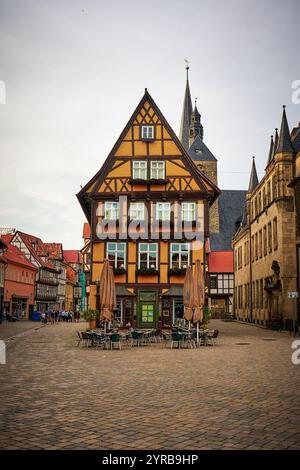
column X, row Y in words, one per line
column 187, row 63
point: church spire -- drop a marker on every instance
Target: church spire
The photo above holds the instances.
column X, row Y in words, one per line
column 284, row 141
column 275, row 142
column 186, row 113
column 253, row 182
column 271, row 151
column 196, row 127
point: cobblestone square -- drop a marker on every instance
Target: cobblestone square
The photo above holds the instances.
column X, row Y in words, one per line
column 55, row 395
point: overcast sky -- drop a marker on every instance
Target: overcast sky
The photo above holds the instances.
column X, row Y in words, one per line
column 75, row 70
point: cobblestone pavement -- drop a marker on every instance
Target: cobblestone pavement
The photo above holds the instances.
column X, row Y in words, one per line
column 11, row 329
column 231, row 396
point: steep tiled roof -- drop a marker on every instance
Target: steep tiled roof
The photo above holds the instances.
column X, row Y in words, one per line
column 34, row 245
column 7, row 238
column 14, row 255
column 232, row 210
column 220, row 262
column 72, row 256
column 53, row 251
column 199, row 151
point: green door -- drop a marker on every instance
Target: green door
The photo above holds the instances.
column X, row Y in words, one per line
column 147, row 315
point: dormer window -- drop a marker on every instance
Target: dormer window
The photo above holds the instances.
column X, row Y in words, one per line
column 198, row 151
column 147, row 132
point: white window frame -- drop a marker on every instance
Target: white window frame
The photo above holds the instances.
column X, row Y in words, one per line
column 121, row 311
column 180, row 253
column 147, row 132
column 111, row 208
column 147, row 251
column 163, row 211
column 137, row 211
column 156, row 167
column 188, row 211
column 137, row 168
column 116, row 251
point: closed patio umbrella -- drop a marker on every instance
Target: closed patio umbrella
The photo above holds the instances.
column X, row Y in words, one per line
column 188, row 295
column 198, row 282
column 107, row 293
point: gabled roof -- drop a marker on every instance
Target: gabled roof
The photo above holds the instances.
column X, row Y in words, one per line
column 284, row 141
column 220, row 262
column 186, row 114
column 253, row 182
column 85, row 198
column 72, row 256
column 34, row 246
column 232, row 213
column 199, row 151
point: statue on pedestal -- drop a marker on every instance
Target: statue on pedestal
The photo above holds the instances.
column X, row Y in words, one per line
column 273, row 288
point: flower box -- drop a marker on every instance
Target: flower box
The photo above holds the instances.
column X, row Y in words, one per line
column 177, row 271
column 147, row 271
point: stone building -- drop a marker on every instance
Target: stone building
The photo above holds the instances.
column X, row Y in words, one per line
column 225, row 214
column 265, row 245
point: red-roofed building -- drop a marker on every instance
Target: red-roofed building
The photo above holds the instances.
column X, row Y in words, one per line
column 220, row 262
column 221, row 281
column 19, row 283
column 47, row 275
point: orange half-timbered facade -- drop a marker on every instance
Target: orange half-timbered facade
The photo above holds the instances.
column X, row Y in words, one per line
column 148, row 208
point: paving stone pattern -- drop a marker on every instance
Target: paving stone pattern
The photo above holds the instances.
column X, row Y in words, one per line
column 55, row 395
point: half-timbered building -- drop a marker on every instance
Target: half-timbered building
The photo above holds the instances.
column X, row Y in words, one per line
column 148, row 209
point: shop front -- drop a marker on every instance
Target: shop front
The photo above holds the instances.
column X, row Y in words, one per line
column 19, row 307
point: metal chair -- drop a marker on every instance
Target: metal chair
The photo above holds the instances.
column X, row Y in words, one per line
column 86, row 337
column 135, row 339
column 176, row 340
column 79, row 338
column 115, row 341
column 165, row 338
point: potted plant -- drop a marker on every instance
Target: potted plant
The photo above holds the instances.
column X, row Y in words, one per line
column 207, row 313
column 91, row 316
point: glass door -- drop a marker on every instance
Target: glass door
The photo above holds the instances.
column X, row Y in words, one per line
column 147, row 314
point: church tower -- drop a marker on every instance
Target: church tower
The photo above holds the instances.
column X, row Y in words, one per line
column 191, row 135
column 196, row 127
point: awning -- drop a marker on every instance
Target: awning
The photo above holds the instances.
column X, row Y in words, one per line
column 174, row 291
column 123, row 291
